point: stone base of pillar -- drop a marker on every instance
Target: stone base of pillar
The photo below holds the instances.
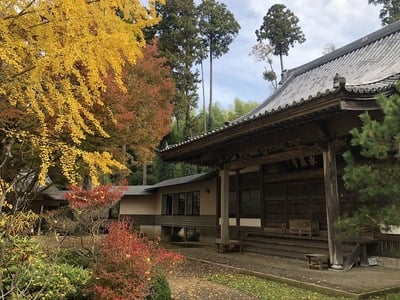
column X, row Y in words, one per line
column 336, row 267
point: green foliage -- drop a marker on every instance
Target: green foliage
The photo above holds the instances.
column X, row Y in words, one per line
column 28, row 273
column 218, row 27
column 18, row 222
column 373, row 169
column 269, row 75
column 222, row 115
column 53, row 281
column 160, row 289
column 240, row 108
column 361, row 222
column 281, row 28
column 180, row 44
column 161, row 170
column 73, row 257
column 390, row 11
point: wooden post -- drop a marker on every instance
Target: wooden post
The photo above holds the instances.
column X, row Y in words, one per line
column 332, row 207
column 224, row 205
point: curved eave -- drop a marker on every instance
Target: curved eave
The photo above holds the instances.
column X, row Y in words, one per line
column 342, row 97
column 188, row 150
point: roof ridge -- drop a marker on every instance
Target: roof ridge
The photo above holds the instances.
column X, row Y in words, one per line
column 357, row 44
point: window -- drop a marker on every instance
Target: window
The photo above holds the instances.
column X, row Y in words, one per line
column 181, row 204
column 232, row 205
column 167, row 204
column 181, row 199
column 250, row 203
column 196, row 203
column 193, row 203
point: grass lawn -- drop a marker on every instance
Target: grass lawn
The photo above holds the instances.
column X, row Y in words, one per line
column 265, row 289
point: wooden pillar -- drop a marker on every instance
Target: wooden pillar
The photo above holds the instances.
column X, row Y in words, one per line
column 332, row 207
column 224, row 205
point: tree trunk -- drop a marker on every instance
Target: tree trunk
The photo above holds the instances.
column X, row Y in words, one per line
column 204, row 98
column 281, row 60
column 144, row 181
column 210, row 116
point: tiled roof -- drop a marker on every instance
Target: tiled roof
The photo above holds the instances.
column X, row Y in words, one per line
column 137, row 190
column 53, row 192
column 368, row 65
column 132, row 190
column 182, row 180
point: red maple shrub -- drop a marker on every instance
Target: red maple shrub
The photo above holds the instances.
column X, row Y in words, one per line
column 102, row 196
column 128, row 265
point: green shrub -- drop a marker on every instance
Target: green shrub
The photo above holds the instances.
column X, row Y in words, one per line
column 28, row 273
column 74, row 257
column 160, row 288
column 51, row 281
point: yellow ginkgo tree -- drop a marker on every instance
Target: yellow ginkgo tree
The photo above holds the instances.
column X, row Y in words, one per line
column 54, row 55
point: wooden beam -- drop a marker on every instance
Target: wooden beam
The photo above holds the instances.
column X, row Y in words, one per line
column 332, row 207
column 276, row 157
column 360, row 105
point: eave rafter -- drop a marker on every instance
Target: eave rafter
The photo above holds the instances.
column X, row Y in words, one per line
column 210, row 149
column 298, row 151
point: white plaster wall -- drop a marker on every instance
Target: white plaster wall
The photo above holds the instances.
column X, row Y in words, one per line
column 250, row 169
column 138, row 205
column 251, row 222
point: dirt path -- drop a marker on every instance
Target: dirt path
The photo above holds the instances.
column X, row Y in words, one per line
column 189, row 281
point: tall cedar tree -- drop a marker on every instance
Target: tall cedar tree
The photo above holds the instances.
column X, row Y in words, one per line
column 179, row 43
column 142, row 113
column 390, row 11
column 281, row 29
column 54, row 56
column 218, row 29
column 373, row 168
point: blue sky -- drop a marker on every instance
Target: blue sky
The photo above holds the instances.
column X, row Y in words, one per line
column 338, row 22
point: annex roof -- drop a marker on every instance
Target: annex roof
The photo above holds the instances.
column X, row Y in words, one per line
column 137, row 190
column 182, row 180
column 53, row 192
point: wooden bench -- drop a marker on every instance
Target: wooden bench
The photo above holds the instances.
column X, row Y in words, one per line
column 229, row 246
column 303, row 226
column 275, row 227
column 317, row 261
